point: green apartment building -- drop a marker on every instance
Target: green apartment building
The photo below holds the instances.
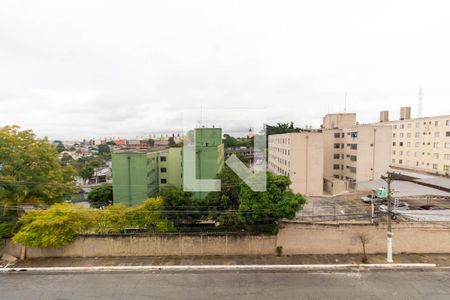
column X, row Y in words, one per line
column 138, row 175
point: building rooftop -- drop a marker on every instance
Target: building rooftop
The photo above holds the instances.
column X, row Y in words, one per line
column 139, row 151
column 404, row 188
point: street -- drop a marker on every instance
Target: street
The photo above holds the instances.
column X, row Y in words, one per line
column 227, row 285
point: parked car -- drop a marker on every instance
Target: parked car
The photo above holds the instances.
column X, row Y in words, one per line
column 368, row 198
column 431, row 207
column 395, row 207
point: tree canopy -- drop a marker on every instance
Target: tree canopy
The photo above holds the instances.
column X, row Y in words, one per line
column 31, row 172
column 101, row 196
column 282, row 128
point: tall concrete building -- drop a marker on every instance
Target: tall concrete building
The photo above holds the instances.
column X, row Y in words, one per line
column 299, row 156
column 333, row 159
column 420, row 144
column 139, row 174
column 354, row 154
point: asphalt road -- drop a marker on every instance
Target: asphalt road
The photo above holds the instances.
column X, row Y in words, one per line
column 228, row 285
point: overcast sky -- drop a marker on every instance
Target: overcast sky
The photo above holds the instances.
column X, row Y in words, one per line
column 74, row 69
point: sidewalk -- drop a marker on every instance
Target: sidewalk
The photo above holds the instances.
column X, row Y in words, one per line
column 441, row 260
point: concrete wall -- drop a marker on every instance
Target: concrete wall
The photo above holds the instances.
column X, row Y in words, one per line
column 158, row 245
column 297, row 238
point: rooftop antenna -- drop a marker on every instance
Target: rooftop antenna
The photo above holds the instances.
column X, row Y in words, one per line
column 419, row 110
column 345, row 103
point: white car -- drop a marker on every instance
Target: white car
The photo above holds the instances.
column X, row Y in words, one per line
column 395, row 207
column 368, row 198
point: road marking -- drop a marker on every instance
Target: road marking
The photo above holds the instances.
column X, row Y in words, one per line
column 224, row 268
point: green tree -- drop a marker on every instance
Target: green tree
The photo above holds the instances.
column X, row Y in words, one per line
column 149, row 216
column 60, row 147
column 101, row 196
column 103, row 149
column 86, row 173
column 31, row 172
column 277, row 202
column 229, row 141
column 178, row 205
column 282, row 128
column 55, row 227
column 66, row 159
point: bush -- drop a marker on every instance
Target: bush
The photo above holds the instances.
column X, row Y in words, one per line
column 61, row 223
column 279, row 250
column 113, row 219
column 5, row 230
column 55, row 227
column 149, row 216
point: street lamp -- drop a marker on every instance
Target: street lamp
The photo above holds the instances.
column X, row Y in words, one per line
column 388, row 179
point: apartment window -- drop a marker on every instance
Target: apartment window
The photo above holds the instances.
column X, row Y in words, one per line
column 436, row 123
column 401, row 134
column 401, row 153
column 393, row 152
column 336, row 156
column 395, row 126
column 400, row 161
column 163, row 170
column 436, row 145
column 447, row 133
column 408, row 144
column 393, row 135
column 163, row 181
column 163, row 158
column 435, row 166
column 407, row 153
column 337, row 146
column 418, row 125
column 352, row 169
column 401, row 144
column 446, row 168
column 393, row 143
column 447, row 145
column 353, row 158
column 436, row 134
column 447, row 156
column 393, row 161
column 408, row 135
column 353, row 146
column 417, row 144
column 337, row 135
column 416, row 154
column 402, row 126
column 335, row 167
column 417, row 134
column 447, row 122
column 436, row 155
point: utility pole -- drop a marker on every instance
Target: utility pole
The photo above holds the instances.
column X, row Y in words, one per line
column 388, row 179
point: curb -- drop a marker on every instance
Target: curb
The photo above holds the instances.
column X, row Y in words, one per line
column 336, row 267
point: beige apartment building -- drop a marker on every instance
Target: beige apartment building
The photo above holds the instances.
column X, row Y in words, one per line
column 299, row 156
column 420, row 144
column 346, row 153
column 333, row 159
